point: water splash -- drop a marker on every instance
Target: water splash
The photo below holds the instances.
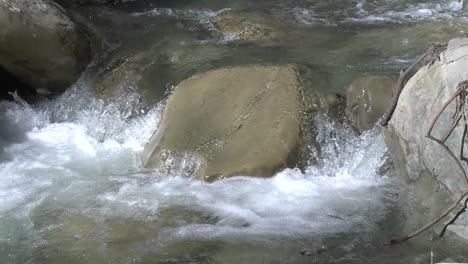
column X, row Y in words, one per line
column 200, row 17
column 419, row 12
column 68, row 164
column 333, row 13
column 64, row 167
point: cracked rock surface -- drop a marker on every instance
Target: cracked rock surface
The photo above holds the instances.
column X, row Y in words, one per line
column 235, row 121
column 433, row 179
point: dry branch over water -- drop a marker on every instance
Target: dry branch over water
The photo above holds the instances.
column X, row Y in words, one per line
column 404, row 76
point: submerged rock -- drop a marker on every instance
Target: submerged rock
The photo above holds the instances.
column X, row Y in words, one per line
column 236, row 121
column 248, row 26
column 138, row 78
column 398, row 41
column 41, row 45
column 367, row 99
column 316, row 91
column 433, row 179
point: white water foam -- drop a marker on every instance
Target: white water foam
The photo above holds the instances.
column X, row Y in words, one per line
column 368, row 11
column 87, row 163
column 200, row 17
column 419, row 12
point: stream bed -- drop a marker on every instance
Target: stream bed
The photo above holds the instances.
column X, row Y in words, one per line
column 72, row 188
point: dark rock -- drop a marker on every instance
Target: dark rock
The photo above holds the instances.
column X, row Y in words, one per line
column 41, row 45
column 140, row 75
column 367, row 99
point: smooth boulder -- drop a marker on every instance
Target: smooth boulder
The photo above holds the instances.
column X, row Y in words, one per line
column 41, row 45
column 242, row 120
column 367, row 99
column 432, row 178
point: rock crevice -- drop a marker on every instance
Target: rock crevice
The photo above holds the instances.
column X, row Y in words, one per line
column 238, row 120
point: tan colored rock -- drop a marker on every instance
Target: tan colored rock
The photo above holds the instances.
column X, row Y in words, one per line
column 41, row 45
column 238, row 121
column 367, row 99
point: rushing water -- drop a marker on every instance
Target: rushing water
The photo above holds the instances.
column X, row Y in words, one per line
column 71, row 176
column 72, row 189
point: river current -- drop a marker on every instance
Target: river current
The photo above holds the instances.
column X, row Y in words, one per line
column 72, row 188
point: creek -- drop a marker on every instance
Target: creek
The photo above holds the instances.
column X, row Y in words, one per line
column 72, row 188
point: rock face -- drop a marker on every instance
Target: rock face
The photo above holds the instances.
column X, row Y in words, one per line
column 433, row 179
column 237, row 121
column 40, row 45
column 248, row 26
column 367, row 99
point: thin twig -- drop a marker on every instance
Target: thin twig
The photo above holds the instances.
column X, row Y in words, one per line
column 422, row 229
column 402, row 81
column 462, row 157
column 454, row 219
column 456, row 116
column 440, row 142
column 452, row 127
column 460, row 94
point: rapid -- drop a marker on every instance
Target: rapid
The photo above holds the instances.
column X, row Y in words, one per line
column 73, row 190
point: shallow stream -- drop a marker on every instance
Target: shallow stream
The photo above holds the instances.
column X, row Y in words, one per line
column 72, row 188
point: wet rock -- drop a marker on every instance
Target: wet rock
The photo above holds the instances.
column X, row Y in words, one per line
column 367, row 99
column 144, row 77
column 41, row 45
column 249, row 26
column 12, row 84
column 133, row 79
column 238, row 121
column 431, row 176
column 316, row 91
column 94, row 240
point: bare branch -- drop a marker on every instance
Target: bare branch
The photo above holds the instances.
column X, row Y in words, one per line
column 422, row 229
column 402, row 81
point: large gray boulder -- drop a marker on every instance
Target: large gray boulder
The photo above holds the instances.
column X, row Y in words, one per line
column 405, row 41
column 366, row 100
column 41, row 45
column 236, row 121
column 431, row 176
